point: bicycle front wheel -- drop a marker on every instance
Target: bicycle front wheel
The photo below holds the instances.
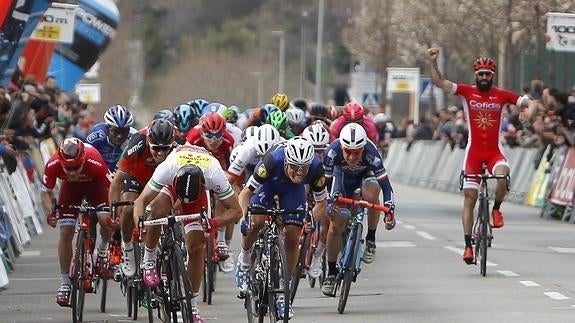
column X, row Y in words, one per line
column 279, row 282
column 349, row 270
column 484, row 237
column 181, row 286
column 78, row 277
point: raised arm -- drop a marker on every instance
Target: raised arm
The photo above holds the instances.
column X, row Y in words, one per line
column 436, row 75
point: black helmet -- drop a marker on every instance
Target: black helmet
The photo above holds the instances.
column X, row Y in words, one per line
column 189, row 183
column 300, row 103
column 161, row 132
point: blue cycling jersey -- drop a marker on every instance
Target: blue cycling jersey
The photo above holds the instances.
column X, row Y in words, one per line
column 98, row 137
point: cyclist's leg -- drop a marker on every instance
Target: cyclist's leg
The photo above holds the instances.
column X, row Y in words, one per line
column 498, row 164
column 161, row 206
column 472, row 165
column 292, row 197
column 127, row 227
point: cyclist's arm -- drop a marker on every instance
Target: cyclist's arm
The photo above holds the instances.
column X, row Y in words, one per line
column 232, row 211
column 147, row 195
column 437, row 76
column 116, row 186
column 47, row 201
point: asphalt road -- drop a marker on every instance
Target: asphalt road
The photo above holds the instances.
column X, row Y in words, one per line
column 418, row 275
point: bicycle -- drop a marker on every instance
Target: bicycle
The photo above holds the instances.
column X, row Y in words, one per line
column 211, row 260
column 302, row 264
column 349, row 262
column 269, row 270
column 84, row 279
column 174, row 294
column 482, row 229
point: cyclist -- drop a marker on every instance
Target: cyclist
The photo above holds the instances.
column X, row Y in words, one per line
column 231, row 116
column 111, row 136
column 281, row 101
column 296, row 120
column 483, row 105
column 212, row 135
column 83, row 174
column 278, row 120
column 185, row 118
column 283, row 171
column 354, row 112
column 353, row 162
column 185, row 175
column 146, row 149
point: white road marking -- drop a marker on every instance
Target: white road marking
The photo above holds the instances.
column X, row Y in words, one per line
column 394, row 244
column 39, row 264
column 528, row 283
column 425, row 235
column 42, row 278
column 508, row 273
column 30, row 253
column 563, row 250
column 556, row 296
column 409, row 227
column 460, row 251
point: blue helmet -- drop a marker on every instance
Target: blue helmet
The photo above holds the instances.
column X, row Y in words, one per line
column 268, row 109
column 119, row 117
column 183, row 117
column 201, row 103
column 214, row 107
column 165, row 115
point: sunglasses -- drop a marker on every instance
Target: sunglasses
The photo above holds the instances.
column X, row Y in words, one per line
column 484, row 73
column 353, row 151
column 160, row 147
column 298, row 168
column 114, row 131
column 213, row 135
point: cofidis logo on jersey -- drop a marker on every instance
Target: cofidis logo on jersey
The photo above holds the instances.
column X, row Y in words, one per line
column 484, row 105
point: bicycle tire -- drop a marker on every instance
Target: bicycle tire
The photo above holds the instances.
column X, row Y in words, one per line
column 77, row 283
column 300, row 265
column 129, row 296
column 484, row 238
column 103, row 292
column 209, row 269
column 349, row 270
column 314, row 240
column 182, row 284
column 252, row 300
column 278, row 271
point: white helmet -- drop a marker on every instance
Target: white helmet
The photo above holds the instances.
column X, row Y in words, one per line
column 380, row 118
column 317, row 135
column 299, row 151
column 266, row 137
column 295, row 116
column 249, row 132
column 353, row 136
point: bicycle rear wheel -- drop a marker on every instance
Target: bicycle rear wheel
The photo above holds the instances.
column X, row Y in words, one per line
column 301, row 264
column 182, row 287
column 78, row 264
column 279, row 281
column 209, row 270
column 348, row 271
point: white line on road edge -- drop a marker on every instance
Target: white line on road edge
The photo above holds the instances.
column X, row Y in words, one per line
column 556, row 295
column 409, row 227
column 425, row 235
column 30, row 253
column 508, row 273
column 393, row 244
column 563, row 250
column 528, row 283
column 42, row 278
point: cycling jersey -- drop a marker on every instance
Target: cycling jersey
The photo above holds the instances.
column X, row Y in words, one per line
column 92, row 183
column 98, row 137
column 347, row 179
column 270, row 179
column 222, row 153
column 484, row 114
column 367, row 124
column 235, row 132
column 245, row 157
column 136, row 160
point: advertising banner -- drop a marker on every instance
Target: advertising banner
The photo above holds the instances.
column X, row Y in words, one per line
column 57, row 24
column 564, row 185
column 561, row 31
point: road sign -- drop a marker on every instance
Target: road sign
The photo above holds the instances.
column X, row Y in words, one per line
column 370, row 100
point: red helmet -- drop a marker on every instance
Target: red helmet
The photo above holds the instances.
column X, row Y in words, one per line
column 484, row 64
column 71, row 153
column 353, row 111
column 213, row 122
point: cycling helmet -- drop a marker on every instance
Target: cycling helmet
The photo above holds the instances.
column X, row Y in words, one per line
column 299, row 151
column 201, row 103
column 118, row 116
column 266, row 137
column 214, row 107
column 317, row 135
column 332, row 112
column 295, row 116
column 164, row 115
column 300, row 103
column 281, row 101
column 353, row 111
column 249, row 132
column 213, row 122
column 189, row 183
column 196, row 109
column 231, row 115
column 268, row 109
column 318, row 109
column 183, row 116
column 71, row 153
column 380, row 118
column 161, row 132
column 484, row 64
column 353, row 136
column 278, row 119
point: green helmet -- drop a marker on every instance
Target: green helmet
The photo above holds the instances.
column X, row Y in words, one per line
column 231, row 115
column 278, row 119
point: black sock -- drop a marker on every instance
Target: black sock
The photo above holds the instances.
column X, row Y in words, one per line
column 467, row 238
column 332, row 268
column 370, row 235
column 496, row 204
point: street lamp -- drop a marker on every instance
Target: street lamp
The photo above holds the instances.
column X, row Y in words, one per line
column 302, row 63
column 260, row 89
column 319, row 50
column 282, row 60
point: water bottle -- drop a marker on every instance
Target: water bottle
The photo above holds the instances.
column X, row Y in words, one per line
column 145, row 301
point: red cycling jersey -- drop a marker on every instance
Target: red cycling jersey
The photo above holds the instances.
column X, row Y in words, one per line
column 484, row 113
column 223, row 152
column 367, row 124
column 92, row 182
column 136, row 160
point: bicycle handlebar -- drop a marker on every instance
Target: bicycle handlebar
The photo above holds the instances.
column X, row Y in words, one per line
column 121, row 203
column 82, row 208
column 363, row 203
column 177, row 218
column 274, row 212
